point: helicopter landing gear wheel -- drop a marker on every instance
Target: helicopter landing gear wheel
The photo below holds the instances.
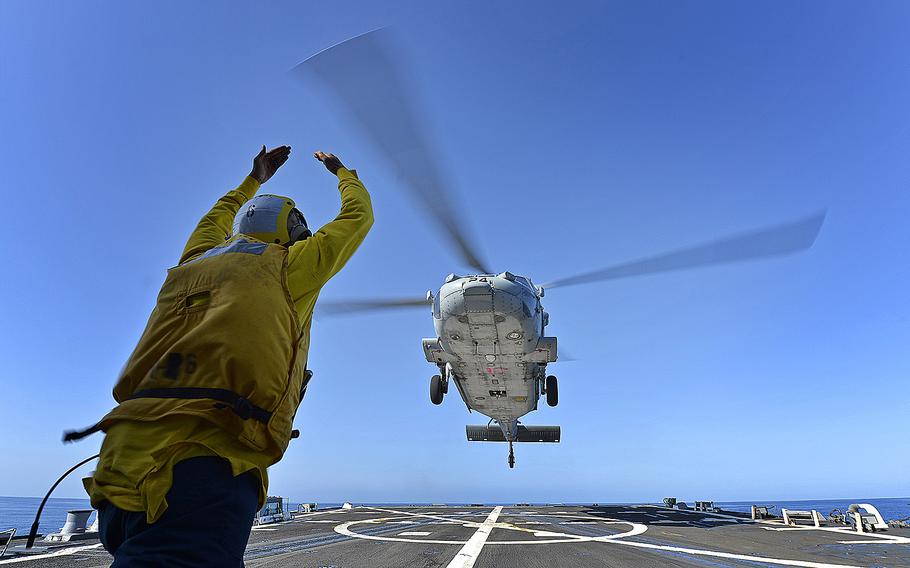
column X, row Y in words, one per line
column 437, row 389
column 552, row 390
column 511, row 456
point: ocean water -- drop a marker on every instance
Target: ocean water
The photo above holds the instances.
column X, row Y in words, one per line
column 19, row 512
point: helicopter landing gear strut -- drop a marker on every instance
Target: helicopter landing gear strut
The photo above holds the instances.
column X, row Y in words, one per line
column 511, row 456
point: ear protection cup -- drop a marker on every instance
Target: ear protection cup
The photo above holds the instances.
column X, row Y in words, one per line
column 297, row 227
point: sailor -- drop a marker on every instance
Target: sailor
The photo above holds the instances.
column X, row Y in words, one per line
column 207, row 399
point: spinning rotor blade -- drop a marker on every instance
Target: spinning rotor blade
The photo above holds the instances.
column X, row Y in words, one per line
column 366, row 75
column 773, row 241
column 333, row 308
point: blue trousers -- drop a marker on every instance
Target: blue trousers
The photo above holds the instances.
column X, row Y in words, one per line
column 207, row 522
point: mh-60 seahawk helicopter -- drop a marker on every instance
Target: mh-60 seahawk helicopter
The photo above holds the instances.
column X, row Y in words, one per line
column 490, row 338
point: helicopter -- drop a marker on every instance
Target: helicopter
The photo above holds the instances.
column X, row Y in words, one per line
column 490, row 341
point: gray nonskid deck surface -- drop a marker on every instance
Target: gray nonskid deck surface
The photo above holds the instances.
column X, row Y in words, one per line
column 551, row 536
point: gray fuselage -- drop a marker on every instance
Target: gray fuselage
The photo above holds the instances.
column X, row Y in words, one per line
column 490, row 343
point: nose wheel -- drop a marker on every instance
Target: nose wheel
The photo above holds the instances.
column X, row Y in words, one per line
column 511, row 456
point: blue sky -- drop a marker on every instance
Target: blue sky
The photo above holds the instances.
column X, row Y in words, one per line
column 576, row 138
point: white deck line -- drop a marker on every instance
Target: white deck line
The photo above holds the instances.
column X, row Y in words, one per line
column 747, row 557
column 55, row 554
column 467, row 556
column 847, row 531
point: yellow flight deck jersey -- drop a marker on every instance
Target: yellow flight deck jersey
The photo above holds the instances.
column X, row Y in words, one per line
column 256, row 349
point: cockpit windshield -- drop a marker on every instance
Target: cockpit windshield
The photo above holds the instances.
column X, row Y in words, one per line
column 525, row 281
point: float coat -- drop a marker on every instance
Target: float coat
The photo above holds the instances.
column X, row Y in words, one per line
column 223, row 343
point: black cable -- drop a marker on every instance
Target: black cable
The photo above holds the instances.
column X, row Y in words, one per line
column 34, row 532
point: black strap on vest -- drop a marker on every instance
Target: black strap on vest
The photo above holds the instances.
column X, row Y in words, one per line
column 241, row 406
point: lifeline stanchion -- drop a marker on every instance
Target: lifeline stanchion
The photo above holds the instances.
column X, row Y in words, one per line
column 34, row 532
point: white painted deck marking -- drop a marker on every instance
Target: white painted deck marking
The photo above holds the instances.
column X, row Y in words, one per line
column 467, row 556
column 345, row 529
column 847, row 531
column 620, row 539
column 748, row 557
column 414, row 533
column 64, row 552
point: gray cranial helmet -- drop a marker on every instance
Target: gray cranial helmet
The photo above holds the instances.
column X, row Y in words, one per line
column 271, row 219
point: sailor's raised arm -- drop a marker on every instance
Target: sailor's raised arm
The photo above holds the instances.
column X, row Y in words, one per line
column 314, row 261
column 215, row 226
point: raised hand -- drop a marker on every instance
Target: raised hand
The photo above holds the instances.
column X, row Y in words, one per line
column 265, row 164
column 331, row 161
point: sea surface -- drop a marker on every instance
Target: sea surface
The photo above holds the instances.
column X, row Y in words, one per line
column 19, row 512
